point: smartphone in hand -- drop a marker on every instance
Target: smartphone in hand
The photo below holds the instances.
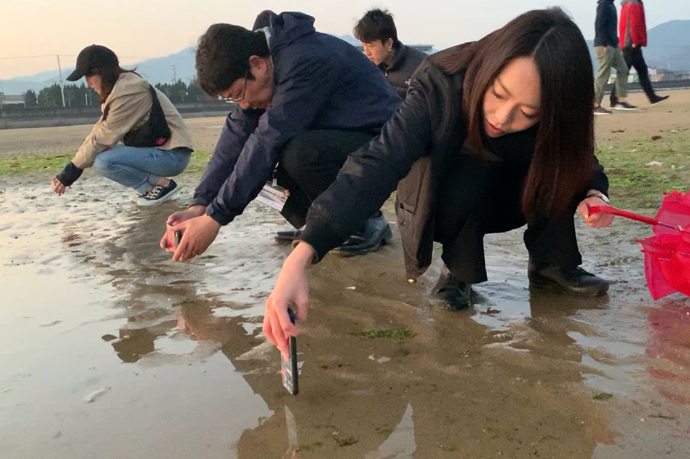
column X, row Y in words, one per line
column 178, row 237
column 288, row 367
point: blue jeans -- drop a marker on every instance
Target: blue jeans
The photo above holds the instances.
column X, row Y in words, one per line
column 141, row 167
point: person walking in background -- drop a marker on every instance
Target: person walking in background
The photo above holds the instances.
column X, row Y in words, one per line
column 609, row 56
column 156, row 143
column 379, row 37
column 633, row 37
column 304, row 101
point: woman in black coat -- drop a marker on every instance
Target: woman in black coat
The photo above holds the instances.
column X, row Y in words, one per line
column 492, row 136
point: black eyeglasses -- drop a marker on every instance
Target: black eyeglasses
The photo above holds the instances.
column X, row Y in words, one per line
column 244, row 90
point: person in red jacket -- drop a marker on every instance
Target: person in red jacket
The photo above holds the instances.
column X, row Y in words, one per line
column 633, row 37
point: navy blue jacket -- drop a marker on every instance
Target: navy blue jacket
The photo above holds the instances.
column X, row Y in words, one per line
column 321, row 82
column 606, row 24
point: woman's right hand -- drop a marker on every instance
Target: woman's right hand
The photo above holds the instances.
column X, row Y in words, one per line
column 291, row 289
column 167, row 241
column 58, row 187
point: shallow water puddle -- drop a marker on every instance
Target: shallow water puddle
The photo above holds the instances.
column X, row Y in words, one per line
column 109, row 349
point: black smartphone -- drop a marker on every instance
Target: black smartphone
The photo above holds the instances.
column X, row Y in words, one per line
column 178, row 237
column 288, row 366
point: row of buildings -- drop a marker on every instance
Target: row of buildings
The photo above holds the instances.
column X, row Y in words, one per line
column 11, row 100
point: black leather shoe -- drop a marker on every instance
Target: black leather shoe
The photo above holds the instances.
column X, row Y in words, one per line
column 450, row 293
column 375, row 233
column 287, row 237
column 572, row 280
column 658, row 99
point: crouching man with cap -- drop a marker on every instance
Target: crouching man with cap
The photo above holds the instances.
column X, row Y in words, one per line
column 304, row 101
column 140, row 139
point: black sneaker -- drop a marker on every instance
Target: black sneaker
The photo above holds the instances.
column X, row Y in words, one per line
column 624, row 106
column 376, row 232
column 601, row 111
column 571, row 280
column 287, row 237
column 449, row 293
column 658, row 99
column 159, row 194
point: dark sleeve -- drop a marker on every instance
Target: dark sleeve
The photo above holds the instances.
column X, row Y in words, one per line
column 600, row 25
column 238, row 127
column 296, row 103
column 600, row 181
column 69, row 174
column 370, row 174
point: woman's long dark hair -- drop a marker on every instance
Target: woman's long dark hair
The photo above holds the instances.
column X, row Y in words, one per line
column 564, row 152
column 109, row 76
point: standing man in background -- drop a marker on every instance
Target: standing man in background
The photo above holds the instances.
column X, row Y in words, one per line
column 633, row 37
column 379, row 37
column 609, row 56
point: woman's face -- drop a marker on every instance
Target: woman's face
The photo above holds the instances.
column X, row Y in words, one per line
column 513, row 101
column 94, row 82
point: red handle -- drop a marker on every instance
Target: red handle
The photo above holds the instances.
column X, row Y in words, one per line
column 622, row 213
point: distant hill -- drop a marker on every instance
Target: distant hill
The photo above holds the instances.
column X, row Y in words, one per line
column 669, row 48
column 157, row 70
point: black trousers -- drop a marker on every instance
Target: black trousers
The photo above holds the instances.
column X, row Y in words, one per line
column 309, row 163
column 634, row 58
column 477, row 198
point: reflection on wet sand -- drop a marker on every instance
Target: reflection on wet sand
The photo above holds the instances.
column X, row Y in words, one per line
column 178, row 346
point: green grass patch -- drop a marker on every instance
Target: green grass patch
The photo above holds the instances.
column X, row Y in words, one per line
column 54, row 164
column 603, row 397
column 310, row 447
column 343, row 442
column 400, row 334
column 635, row 184
column 198, row 161
column 30, row 164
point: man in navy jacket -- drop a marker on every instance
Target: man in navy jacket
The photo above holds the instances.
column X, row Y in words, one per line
column 305, row 101
column 609, row 56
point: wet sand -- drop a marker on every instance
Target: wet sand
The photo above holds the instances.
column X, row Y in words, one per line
column 111, row 350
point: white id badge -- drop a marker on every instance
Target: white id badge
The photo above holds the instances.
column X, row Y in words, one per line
column 273, row 196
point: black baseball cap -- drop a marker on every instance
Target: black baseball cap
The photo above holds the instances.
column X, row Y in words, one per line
column 90, row 58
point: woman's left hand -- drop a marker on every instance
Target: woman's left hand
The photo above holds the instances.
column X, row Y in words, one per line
column 598, row 220
column 58, row 187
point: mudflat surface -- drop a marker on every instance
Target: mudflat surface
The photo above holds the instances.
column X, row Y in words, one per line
column 111, row 350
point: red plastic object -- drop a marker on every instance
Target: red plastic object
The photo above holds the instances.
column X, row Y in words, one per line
column 667, row 253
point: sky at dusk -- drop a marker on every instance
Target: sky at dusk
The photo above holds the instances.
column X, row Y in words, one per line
column 138, row 30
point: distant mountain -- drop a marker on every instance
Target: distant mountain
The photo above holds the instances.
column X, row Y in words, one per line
column 350, row 39
column 669, row 47
column 158, row 70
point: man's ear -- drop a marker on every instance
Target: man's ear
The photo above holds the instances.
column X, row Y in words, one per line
column 257, row 63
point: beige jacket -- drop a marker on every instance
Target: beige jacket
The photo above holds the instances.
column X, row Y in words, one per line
column 130, row 105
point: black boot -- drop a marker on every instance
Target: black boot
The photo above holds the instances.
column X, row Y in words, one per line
column 373, row 235
column 450, row 293
column 287, row 237
column 567, row 279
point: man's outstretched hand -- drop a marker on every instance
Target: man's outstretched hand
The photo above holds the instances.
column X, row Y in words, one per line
column 198, row 233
